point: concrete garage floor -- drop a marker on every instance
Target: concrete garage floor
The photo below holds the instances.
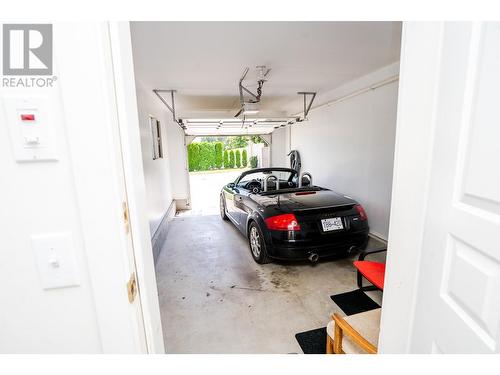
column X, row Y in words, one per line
column 215, row 299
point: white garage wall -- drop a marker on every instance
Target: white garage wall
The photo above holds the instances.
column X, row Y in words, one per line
column 279, row 148
column 349, row 146
column 157, row 174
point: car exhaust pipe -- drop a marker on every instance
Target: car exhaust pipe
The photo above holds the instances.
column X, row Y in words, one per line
column 313, row 258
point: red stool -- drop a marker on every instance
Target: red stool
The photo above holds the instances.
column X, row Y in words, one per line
column 374, row 272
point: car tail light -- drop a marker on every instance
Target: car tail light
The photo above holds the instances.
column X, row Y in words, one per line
column 361, row 212
column 283, row 222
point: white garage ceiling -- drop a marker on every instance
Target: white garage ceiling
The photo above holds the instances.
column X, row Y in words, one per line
column 203, row 61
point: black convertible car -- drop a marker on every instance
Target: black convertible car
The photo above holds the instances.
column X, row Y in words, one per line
column 284, row 216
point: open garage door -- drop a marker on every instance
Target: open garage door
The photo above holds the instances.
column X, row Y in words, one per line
column 214, row 161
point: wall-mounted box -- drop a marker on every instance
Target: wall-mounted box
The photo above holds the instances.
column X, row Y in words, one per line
column 30, row 123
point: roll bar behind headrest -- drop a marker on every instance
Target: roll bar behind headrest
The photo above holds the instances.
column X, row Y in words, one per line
column 305, row 174
column 277, row 182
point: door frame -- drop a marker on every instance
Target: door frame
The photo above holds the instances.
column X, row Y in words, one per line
column 420, row 56
column 97, row 172
column 128, row 123
column 416, row 122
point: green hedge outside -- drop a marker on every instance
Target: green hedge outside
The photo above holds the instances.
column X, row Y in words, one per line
column 238, row 158
column 204, row 156
column 244, row 161
column 218, row 155
column 193, row 156
column 253, row 162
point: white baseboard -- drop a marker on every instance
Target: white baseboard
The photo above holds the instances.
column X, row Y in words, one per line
column 160, row 235
column 378, row 236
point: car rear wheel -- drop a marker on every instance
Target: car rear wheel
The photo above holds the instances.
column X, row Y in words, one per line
column 257, row 244
column 223, row 208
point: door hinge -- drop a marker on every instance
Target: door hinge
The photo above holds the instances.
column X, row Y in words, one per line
column 132, row 288
column 126, row 216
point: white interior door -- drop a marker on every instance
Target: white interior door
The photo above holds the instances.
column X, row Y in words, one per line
column 457, row 308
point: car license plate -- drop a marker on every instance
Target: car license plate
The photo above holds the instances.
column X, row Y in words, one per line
column 334, row 223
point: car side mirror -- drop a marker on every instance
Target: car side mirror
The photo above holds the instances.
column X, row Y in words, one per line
column 231, row 185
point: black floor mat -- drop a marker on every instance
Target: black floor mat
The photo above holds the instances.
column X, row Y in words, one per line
column 354, row 302
column 312, row 342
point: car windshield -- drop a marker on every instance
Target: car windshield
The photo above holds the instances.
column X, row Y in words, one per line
column 261, row 175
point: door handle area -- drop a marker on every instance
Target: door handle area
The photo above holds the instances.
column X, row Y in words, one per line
column 239, row 197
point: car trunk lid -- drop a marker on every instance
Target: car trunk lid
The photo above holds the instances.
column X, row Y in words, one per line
column 325, row 213
column 308, row 200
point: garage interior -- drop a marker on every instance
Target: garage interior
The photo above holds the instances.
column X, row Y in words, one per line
column 213, row 297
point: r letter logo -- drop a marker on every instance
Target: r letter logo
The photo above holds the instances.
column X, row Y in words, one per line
column 27, row 49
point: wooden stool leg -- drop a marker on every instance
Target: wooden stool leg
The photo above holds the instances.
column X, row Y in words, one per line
column 337, row 341
column 329, row 345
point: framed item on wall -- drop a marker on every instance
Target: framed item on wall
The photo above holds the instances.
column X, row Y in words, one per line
column 156, row 137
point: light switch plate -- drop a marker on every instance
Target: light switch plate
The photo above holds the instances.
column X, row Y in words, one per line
column 55, row 258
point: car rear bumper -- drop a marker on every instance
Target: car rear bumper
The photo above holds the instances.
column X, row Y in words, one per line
column 289, row 250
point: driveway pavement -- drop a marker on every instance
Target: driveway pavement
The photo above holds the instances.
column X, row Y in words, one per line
column 205, row 190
